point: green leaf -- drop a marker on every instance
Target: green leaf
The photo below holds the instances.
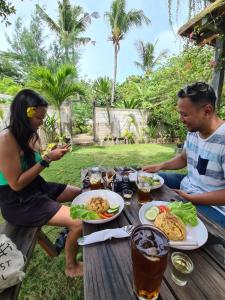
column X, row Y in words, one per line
column 80, row 212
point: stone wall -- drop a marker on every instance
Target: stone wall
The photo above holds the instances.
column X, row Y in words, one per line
column 120, row 122
column 65, row 117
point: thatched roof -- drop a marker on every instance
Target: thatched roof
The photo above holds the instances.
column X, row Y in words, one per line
column 206, row 26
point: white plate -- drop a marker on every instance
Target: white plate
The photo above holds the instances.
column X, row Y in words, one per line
column 113, row 198
column 198, row 233
column 133, row 177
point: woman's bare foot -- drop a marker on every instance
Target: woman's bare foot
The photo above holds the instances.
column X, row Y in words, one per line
column 74, row 271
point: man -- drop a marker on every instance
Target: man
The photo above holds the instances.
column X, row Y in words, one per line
column 203, row 153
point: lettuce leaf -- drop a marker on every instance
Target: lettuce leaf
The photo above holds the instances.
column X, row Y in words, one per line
column 80, row 212
column 186, row 211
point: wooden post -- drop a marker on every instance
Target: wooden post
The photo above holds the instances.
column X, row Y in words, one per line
column 218, row 74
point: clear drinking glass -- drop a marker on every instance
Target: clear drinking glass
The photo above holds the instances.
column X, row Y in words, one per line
column 149, row 249
column 127, row 196
column 143, row 189
column 182, row 268
column 95, row 178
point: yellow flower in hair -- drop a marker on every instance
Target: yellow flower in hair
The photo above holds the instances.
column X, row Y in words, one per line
column 31, row 111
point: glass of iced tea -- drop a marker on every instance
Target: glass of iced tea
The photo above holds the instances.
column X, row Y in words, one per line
column 182, row 267
column 149, row 249
column 143, row 192
column 95, row 179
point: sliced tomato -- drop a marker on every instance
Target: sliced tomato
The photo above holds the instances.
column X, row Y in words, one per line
column 163, row 208
column 105, row 215
column 102, row 216
column 108, row 215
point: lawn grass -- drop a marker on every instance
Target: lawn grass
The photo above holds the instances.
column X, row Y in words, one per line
column 45, row 277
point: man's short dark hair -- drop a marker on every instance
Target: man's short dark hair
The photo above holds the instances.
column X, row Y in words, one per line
column 199, row 93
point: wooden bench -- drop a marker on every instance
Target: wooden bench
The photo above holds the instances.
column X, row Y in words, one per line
column 25, row 239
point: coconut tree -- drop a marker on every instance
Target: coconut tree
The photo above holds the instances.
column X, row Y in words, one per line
column 120, row 22
column 57, row 86
column 71, row 24
column 147, row 57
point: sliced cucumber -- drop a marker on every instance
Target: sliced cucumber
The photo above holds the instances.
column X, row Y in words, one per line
column 112, row 211
column 151, row 214
column 114, row 206
column 156, row 209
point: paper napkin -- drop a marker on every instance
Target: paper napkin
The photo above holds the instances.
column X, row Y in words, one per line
column 102, row 235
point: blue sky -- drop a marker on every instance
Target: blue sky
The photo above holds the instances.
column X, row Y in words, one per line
column 98, row 60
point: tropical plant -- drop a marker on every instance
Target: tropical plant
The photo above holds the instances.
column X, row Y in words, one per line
column 128, row 136
column 49, row 127
column 147, row 57
column 120, row 22
column 102, row 89
column 6, row 9
column 8, row 68
column 58, row 86
column 82, row 112
column 130, row 104
column 71, row 24
column 151, row 131
column 27, row 45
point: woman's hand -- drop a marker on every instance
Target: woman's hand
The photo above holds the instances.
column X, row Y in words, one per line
column 152, row 168
column 58, row 152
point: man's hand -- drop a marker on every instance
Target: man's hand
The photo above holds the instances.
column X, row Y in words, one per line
column 152, row 168
column 183, row 194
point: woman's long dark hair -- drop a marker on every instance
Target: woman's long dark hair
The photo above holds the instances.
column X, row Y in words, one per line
column 20, row 125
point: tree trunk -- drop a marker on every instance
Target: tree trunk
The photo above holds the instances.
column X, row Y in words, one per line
column 218, row 74
column 109, row 118
column 115, row 71
column 94, row 122
column 60, row 123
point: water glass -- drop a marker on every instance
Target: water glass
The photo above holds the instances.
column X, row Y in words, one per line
column 182, row 268
column 127, row 196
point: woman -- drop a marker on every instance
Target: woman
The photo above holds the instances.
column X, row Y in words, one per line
column 26, row 198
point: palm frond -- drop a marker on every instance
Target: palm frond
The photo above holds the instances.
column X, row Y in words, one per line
column 51, row 23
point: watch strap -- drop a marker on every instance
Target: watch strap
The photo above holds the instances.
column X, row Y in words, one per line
column 44, row 163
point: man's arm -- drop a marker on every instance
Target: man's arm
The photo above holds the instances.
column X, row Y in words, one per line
column 176, row 163
column 208, row 198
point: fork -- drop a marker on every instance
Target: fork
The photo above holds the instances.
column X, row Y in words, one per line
column 129, row 229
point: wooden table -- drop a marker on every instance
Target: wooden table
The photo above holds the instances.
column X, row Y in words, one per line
column 108, row 267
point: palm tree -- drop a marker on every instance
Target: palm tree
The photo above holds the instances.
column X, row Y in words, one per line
column 120, row 22
column 71, row 23
column 102, row 87
column 147, row 57
column 57, row 86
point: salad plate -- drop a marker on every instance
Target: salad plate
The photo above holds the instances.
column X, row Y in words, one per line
column 113, row 198
column 197, row 233
column 153, row 179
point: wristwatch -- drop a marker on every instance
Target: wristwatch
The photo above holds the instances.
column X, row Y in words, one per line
column 44, row 163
